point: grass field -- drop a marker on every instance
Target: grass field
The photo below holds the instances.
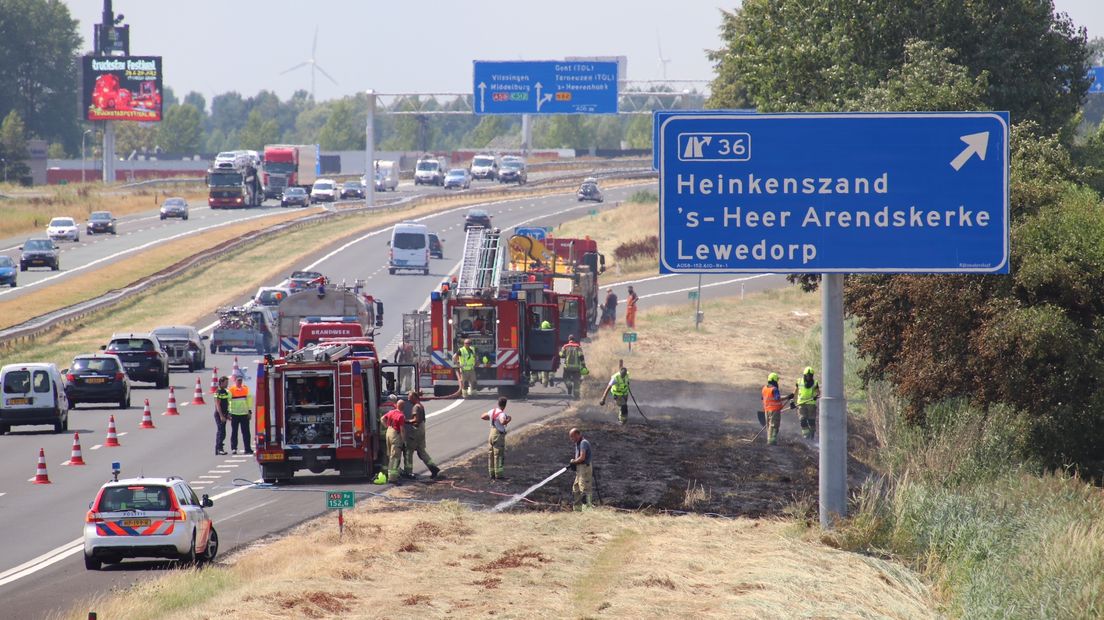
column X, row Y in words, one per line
column 631, row 221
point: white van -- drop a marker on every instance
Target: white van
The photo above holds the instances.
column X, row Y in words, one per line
column 33, row 394
column 409, row 248
column 387, row 176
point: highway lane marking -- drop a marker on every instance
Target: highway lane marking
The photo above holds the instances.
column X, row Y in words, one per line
column 220, row 471
column 210, row 477
column 96, row 447
column 446, row 409
column 131, row 251
column 238, row 514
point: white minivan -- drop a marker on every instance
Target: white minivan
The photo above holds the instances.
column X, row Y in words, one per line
column 409, row 248
column 33, row 394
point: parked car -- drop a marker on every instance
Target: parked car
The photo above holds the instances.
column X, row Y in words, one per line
column 589, row 191
column 174, row 207
column 436, row 248
column 142, row 356
column 33, row 394
column 295, row 196
column 97, row 378
column 324, row 190
column 352, row 189
column 270, row 296
column 101, row 221
column 458, row 178
column 477, row 217
column 63, row 228
column 299, row 280
column 183, row 345
column 8, row 274
column 484, row 167
column 39, row 253
column 513, row 171
column 148, row 518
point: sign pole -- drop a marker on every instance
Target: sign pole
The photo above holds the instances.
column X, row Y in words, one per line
column 833, row 406
column 340, row 523
column 109, row 153
column 370, row 152
column 697, row 310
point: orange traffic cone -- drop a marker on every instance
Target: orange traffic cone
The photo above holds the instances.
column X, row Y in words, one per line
column 197, row 399
column 147, row 419
column 172, row 410
column 214, row 380
column 40, row 473
column 75, row 457
column 112, row 440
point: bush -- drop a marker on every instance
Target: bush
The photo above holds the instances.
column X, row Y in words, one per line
column 647, row 247
column 644, row 196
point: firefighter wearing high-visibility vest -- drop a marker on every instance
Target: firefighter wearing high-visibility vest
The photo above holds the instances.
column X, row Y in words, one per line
column 808, row 392
column 465, row 358
column 773, row 402
column 618, row 387
column 241, row 408
column 573, row 364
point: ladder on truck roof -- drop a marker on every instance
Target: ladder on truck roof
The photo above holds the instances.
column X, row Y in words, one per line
column 346, row 426
column 481, row 266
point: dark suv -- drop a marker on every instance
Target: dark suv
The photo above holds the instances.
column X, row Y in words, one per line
column 97, row 378
column 477, row 218
column 39, row 253
column 142, row 357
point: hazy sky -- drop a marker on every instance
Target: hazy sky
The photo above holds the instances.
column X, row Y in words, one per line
column 214, row 46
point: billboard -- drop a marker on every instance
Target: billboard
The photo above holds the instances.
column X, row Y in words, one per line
column 122, row 88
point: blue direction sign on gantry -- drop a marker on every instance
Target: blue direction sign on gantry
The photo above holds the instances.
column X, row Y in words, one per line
column 545, row 87
column 848, row 192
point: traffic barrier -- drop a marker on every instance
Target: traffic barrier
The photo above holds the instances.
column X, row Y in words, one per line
column 172, row 410
column 75, row 457
column 112, row 440
column 214, row 380
column 147, row 419
column 40, row 473
column 198, row 398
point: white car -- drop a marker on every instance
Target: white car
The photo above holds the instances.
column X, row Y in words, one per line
column 63, row 228
column 148, row 518
column 324, row 190
column 233, row 159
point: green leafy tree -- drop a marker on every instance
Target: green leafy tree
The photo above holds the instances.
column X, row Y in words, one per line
column 13, row 146
column 181, row 130
column 258, row 132
column 197, row 101
column 133, row 137
column 56, row 150
column 341, row 133
column 638, row 132
column 38, row 68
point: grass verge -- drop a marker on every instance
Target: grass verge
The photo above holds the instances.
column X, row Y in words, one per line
column 629, row 222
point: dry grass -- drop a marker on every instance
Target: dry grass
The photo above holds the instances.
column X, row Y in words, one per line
column 632, row 221
column 544, row 565
column 27, row 214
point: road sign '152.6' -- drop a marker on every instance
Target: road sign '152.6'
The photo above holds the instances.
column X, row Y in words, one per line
column 340, row 499
column 848, row 192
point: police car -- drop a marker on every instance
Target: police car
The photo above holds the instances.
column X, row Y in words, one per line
column 148, row 518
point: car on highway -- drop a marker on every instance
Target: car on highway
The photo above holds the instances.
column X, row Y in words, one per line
column 143, row 357
column 97, row 378
column 352, row 189
column 101, row 222
column 513, row 171
column 484, row 167
column 589, row 191
column 183, row 344
column 477, row 217
column 148, row 517
column 63, row 228
column 458, row 178
column 299, row 280
column 270, row 296
column 436, row 247
column 295, row 196
column 428, row 171
column 33, row 393
column 8, row 273
column 324, row 190
column 39, row 253
column 174, row 207
column 409, row 248
column 234, row 159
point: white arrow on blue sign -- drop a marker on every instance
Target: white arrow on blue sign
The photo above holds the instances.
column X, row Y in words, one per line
column 847, row 192
column 544, row 87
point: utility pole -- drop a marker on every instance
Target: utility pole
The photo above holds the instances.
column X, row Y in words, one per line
column 833, row 408
column 370, row 152
column 107, row 30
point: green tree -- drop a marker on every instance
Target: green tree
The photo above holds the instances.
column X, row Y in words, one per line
column 181, row 130
column 638, row 132
column 821, row 54
column 38, row 70
column 56, row 150
column 196, row 100
column 341, row 133
column 133, row 137
column 258, row 132
column 13, row 146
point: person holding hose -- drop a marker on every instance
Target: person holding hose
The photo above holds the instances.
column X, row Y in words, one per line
column 808, row 392
column 619, row 387
column 583, row 487
column 773, row 402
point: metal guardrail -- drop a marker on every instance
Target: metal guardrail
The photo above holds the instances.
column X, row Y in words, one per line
column 169, row 181
column 33, row 328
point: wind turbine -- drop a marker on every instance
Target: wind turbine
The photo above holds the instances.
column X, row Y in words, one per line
column 313, row 65
column 662, row 61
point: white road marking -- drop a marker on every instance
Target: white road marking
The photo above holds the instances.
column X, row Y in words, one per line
column 121, row 434
column 219, row 471
column 210, row 477
column 96, row 447
column 3, row 494
column 196, row 483
column 446, row 409
column 710, row 285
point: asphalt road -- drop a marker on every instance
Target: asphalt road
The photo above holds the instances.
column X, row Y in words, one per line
column 41, row 525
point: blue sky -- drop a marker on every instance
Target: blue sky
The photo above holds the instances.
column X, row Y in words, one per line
column 214, row 46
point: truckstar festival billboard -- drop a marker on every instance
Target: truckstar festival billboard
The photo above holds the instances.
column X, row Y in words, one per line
column 122, row 88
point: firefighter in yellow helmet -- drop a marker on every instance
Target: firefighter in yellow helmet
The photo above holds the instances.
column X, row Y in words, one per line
column 808, row 392
column 773, row 402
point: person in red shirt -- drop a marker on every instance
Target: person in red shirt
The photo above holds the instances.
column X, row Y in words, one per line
column 394, row 420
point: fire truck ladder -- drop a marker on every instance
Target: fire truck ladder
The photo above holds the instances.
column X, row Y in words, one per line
column 480, row 267
column 345, row 402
